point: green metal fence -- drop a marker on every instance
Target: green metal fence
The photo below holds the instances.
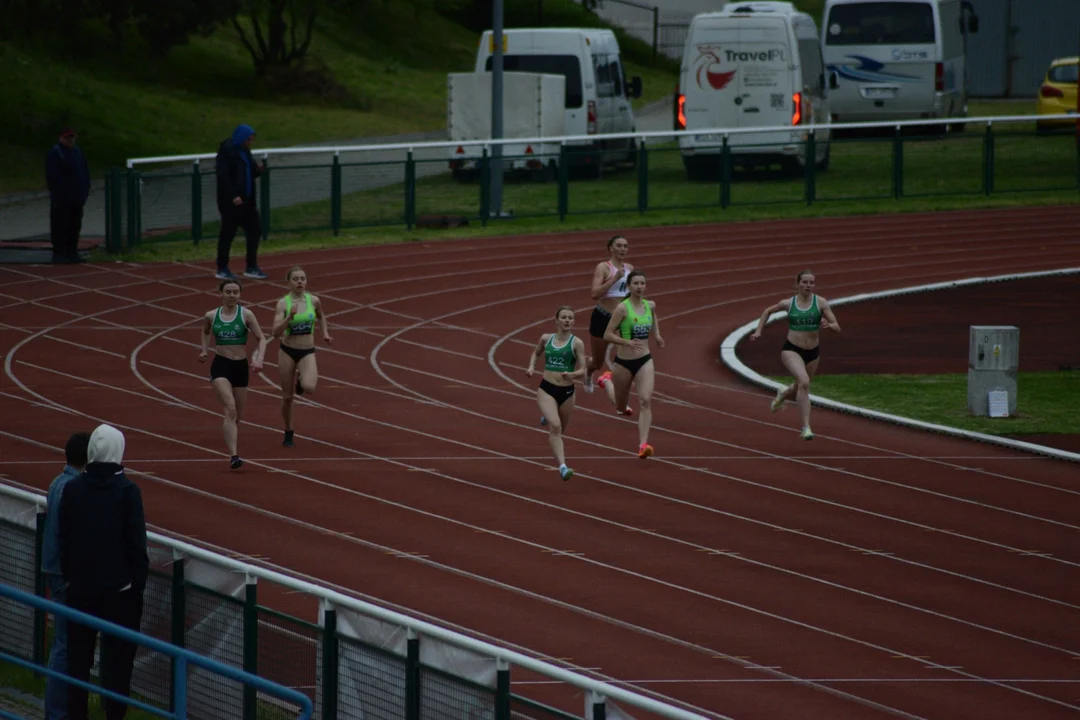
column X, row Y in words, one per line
column 335, row 189
column 378, row 675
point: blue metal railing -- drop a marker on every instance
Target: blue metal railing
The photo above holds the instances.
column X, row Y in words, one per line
column 182, row 659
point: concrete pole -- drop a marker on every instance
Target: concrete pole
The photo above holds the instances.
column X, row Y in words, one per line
column 495, row 165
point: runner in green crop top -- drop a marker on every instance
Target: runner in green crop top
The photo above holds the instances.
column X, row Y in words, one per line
column 564, row 362
column 807, row 314
column 633, row 322
column 295, row 319
column 230, row 325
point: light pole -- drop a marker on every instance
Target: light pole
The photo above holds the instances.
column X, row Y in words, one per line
column 495, row 166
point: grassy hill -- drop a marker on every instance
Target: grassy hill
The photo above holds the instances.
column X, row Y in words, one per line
column 383, row 71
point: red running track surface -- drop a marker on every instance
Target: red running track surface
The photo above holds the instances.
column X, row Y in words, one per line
column 875, row 572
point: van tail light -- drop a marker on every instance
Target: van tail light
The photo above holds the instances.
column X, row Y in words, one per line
column 680, row 110
column 796, row 109
column 939, row 77
column 591, row 127
column 1049, row 91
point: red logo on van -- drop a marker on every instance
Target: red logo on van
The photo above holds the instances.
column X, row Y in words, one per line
column 707, row 60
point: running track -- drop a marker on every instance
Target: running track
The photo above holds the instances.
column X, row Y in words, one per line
column 877, row 572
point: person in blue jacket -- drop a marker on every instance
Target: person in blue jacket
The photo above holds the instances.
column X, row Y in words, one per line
column 68, row 177
column 56, row 690
column 236, row 171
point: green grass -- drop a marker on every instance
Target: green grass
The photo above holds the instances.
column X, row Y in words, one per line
column 1035, row 167
column 127, row 103
column 20, row 679
column 1044, row 400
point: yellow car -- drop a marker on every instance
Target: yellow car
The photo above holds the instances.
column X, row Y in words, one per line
column 1057, row 95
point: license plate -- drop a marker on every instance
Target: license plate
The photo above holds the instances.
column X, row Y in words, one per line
column 879, row 93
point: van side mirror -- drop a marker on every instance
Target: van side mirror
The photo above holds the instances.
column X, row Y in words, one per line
column 634, row 88
column 834, row 80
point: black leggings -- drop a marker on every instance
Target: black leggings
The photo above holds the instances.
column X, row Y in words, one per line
column 239, row 216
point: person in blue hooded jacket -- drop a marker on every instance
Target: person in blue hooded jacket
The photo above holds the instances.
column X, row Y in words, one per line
column 236, row 173
column 68, row 178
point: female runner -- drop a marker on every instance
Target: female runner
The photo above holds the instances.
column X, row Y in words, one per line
column 295, row 319
column 564, row 356
column 609, row 288
column 632, row 323
column 807, row 314
column 230, row 325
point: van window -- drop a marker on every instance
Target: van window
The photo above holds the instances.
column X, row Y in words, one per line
column 880, row 23
column 617, row 75
column 812, row 65
column 1063, row 73
column 565, row 65
column 605, row 87
column 952, row 39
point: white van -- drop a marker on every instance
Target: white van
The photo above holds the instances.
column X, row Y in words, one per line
column 897, row 59
column 597, row 91
column 753, row 64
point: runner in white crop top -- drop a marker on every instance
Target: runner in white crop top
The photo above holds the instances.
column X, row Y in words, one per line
column 608, row 290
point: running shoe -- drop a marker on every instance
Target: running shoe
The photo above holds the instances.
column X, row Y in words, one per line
column 807, row 433
column 604, row 379
column 588, row 384
column 778, row 403
column 566, row 473
column 255, row 273
column 628, row 412
column 235, row 462
column 288, row 441
column 645, row 451
column 224, row 274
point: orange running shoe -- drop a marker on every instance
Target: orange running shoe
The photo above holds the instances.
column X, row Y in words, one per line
column 628, row 412
column 645, row 451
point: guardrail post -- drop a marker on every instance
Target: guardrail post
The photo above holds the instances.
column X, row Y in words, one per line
column 251, row 643
column 264, row 198
column 725, row 174
column 502, row 689
column 196, row 203
column 643, row 177
column 134, row 193
column 39, row 589
column 329, row 663
column 179, row 686
column 113, row 225
column 335, row 194
column 809, row 170
column 485, row 187
column 178, row 624
column 898, row 164
column 599, row 706
column 563, row 197
column 988, row 159
column 410, row 191
column 412, row 676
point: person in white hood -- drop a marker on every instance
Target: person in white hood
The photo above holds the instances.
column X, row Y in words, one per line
column 105, row 563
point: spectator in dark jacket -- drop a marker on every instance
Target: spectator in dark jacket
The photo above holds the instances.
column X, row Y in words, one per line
column 105, row 563
column 68, row 177
column 55, row 688
column 236, row 173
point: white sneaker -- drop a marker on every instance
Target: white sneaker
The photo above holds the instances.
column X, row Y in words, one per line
column 588, row 383
column 807, row 433
column 778, row 403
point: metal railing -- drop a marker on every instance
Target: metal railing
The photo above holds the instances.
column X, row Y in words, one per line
column 333, row 188
column 182, row 660
column 360, row 659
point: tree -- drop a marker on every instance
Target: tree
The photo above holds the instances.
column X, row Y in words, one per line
column 273, row 41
